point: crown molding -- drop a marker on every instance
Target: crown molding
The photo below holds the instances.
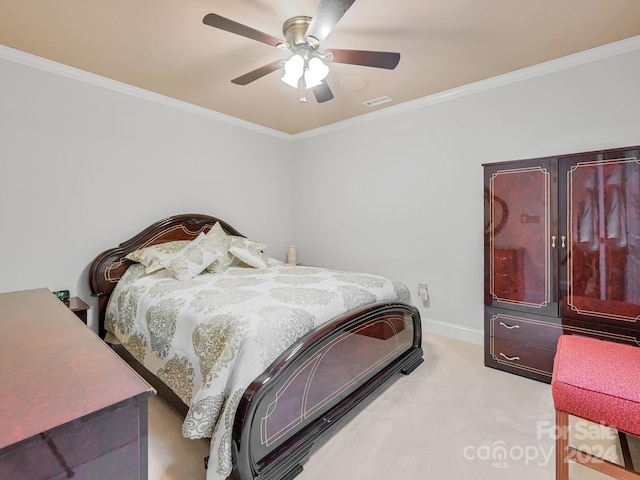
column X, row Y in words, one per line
column 50, row 66
column 564, row 63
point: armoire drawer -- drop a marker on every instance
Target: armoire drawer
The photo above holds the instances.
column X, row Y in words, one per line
column 508, row 326
column 520, row 358
column 602, row 331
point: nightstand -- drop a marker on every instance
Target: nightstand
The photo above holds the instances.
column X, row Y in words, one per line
column 77, row 306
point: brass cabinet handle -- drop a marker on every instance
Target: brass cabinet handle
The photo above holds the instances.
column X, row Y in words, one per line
column 553, row 241
column 509, row 358
column 510, row 327
column 563, row 241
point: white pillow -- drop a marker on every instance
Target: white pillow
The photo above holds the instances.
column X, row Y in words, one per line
column 193, row 258
column 249, row 252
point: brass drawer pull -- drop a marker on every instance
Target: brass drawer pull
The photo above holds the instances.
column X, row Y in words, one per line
column 509, row 358
column 510, row 327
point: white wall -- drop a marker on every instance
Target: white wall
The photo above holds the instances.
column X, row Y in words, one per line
column 85, row 168
column 403, row 196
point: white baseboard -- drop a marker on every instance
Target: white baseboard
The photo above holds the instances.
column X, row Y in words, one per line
column 458, row 332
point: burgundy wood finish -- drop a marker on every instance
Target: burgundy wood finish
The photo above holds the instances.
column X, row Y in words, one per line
column 523, row 328
column 533, row 339
column 79, row 307
column 519, row 204
column 363, row 350
column 308, row 389
column 109, row 444
column 527, row 358
column 59, row 414
column 603, row 236
column 613, row 333
column 107, row 268
column 505, row 284
column 591, row 235
column 163, row 390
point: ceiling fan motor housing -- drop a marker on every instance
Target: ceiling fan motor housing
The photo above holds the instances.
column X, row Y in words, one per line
column 295, row 30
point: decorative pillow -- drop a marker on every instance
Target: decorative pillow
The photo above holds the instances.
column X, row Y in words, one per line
column 249, row 252
column 194, row 257
column 218, row 240
column 151, row 257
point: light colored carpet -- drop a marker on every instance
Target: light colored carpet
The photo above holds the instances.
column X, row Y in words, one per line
column 452, row 418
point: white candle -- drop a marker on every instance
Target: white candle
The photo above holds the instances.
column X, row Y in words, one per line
column 292, row 257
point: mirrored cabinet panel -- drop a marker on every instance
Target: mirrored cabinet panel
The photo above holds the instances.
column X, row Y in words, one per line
column 520, row 212
column 601, row 266
column 562, row 254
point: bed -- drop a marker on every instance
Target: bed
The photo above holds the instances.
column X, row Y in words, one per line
column 275, row 366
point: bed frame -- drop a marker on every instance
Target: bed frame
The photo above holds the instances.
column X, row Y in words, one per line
column 311, row 386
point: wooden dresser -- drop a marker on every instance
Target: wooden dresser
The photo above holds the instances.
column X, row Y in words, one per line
column 562, row 255
column 70, row 407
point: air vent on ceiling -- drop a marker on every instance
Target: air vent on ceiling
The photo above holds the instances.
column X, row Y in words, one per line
column 378, row 101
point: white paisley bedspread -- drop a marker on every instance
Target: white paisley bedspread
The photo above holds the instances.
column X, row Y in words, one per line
column 210, row 337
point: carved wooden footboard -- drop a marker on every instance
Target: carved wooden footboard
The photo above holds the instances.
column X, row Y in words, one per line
column 309, row 387
column 319, row 380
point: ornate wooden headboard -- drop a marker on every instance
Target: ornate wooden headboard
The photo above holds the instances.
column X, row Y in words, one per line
column 108, row 267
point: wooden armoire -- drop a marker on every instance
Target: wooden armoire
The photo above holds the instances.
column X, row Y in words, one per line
column 562, row 255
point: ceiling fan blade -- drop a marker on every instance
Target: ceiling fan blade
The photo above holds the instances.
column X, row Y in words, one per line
column 253, row 75
column 322, row 92
column 388, row 60
column 326, row 16
column 222, row 23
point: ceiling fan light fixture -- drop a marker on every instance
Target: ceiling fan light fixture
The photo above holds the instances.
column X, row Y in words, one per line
column 315, row 72
column 293, row 70
column 303, row 34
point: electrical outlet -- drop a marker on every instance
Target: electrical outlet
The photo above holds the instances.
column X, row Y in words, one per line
column 423, row 293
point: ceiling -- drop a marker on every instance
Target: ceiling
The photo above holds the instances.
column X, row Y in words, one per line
column 164, row 47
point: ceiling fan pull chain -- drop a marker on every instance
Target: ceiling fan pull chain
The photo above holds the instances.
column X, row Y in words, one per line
column 303, row 88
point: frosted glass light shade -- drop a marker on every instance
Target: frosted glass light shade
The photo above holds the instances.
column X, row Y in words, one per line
column 316, row 72
column 293, row 70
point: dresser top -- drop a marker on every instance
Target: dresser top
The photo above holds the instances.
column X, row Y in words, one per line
column 53, row 369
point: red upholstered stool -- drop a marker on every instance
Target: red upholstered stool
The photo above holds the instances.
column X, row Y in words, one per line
column 598, row 381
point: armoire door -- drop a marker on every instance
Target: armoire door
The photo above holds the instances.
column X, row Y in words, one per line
column 521, row 236
column 600, row 223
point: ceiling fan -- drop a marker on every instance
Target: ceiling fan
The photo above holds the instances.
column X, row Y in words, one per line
column 305, row 68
